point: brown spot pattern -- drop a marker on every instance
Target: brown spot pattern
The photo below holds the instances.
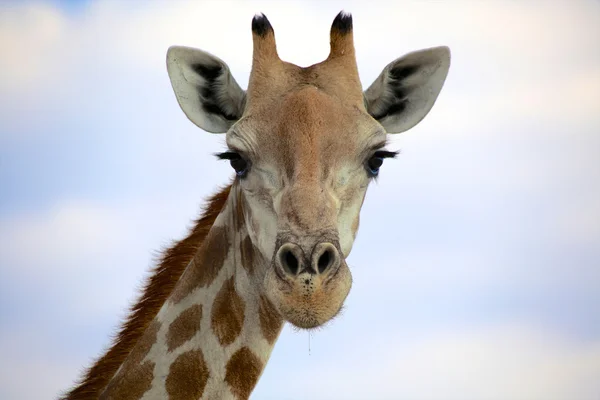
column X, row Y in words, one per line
column 270, row 320
column 242, row 372
column 157, row 289
column 184, row 327
column 239, row 222
column 187, row 376
column 140, row 351
column 130, row 385
column 247, row 253
column 227, row 316
column 134, row 379
column 206, row 264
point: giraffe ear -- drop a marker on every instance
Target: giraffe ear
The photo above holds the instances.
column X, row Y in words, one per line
column 205, row 89
column 406, row 89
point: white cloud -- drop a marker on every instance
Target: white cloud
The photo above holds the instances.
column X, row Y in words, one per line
column 30, row 41
column 66, row 232
column 580, row 223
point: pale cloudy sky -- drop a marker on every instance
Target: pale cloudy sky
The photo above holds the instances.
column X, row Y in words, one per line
column 477, row 266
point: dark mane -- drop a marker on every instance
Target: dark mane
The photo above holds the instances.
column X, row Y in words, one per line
column 156, row 290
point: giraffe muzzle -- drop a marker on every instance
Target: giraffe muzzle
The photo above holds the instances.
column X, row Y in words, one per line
column 309, row 280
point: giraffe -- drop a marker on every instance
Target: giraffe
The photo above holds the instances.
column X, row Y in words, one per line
column 271, row 246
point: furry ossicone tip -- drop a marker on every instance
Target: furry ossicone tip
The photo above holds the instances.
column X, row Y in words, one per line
column 261, row 25
column 342, row 22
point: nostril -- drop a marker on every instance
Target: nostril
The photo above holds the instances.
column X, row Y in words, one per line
column 325, row 258
column 324, row 261
column 290, row 262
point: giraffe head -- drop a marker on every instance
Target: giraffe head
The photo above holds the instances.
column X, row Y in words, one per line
column 304, row 144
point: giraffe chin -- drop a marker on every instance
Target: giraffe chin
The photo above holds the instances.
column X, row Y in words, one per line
column 308, row 300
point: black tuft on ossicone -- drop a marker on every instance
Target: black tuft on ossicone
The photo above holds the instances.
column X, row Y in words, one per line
column 261, row 25
column 342, row 22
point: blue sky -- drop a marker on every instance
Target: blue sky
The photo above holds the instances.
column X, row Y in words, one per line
column 476, row 269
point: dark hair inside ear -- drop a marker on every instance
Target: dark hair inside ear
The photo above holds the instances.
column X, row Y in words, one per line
column 208, row 92
column 393, row 106
column 210, row 73
column 403, row 71
column 396, row 99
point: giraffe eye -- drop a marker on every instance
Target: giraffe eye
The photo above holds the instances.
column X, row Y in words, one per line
column 238, row 163
column 376, row 161
column 374, row 164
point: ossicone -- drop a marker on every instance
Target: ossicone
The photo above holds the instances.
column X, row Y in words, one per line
column 263, row 35
column 341, row 38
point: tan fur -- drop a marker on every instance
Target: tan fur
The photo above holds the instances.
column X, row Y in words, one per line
column 158, row 287
column 187, row 376
column 342, row 45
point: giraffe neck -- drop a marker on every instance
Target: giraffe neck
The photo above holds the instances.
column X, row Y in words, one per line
column 213, row 336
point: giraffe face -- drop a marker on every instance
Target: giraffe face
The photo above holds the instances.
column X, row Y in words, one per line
column 305, row 143
column 303, row 178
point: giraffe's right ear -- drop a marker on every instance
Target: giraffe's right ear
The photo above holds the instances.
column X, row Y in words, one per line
column 205, row 89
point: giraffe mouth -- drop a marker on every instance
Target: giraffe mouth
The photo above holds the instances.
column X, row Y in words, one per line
column 308, row 300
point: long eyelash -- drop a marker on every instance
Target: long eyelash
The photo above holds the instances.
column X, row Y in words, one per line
column 231, row 155
column 386, row 154
column 227, row 155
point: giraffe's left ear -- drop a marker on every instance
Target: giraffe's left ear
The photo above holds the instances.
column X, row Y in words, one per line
column 205, row 89
column 406, row 89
